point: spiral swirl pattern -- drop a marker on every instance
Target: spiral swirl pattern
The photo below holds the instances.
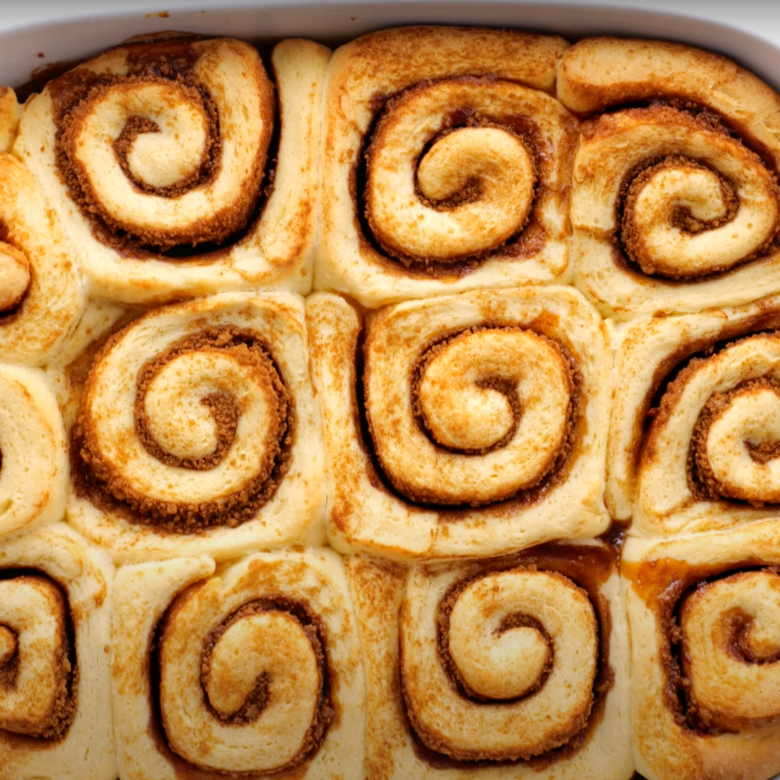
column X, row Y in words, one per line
column 145, row 151
column 191, row 419
column 264, row 670
column 675, row 201
column 454, row 175
column 508, row 667
column 486, row 393
column 41, row 298
column 36, row 675
column 731, row 643
column 704, row 614
column 55, row 699
column 440, row 190
column 500, row 622
column 200, row 371
column 715, row 436
column 168, row 164
column 251, row 670
column 475, row 408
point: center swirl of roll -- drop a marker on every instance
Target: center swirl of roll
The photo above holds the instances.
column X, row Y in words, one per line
column 491, row 414
column 263, row 676
column 161, row 152
column 510, row 669
column 731, row 649
column 736, row 444
column 700, row 202
column 15, row 277
column 449, row 176
column 205, row 441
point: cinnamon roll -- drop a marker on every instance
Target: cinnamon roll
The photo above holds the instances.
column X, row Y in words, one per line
column 693, row 436
column 41, row 298
column 33, row 451
column 55, row 698
column 251, row 671
column 199, row 432
column 175, row 171
column 675, row 196
column 446, row 165
column 508, row 667
column 463, row 425
column 704, row 614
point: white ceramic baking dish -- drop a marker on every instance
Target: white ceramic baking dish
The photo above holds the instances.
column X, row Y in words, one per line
column 37, row 33
column 36, row 36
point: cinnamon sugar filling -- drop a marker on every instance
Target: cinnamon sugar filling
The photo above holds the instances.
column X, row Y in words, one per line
column 587, row 569
column 257, row 700
column 515, row 620
column 64, row 701
column 549, row 477
column 682, row 218
column 171, row 64
column 703, row 482
column 670, row 585
column 628, row 236
column 103, row 481
column 523, row 129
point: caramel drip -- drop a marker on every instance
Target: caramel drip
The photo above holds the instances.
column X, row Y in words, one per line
column 665, row 585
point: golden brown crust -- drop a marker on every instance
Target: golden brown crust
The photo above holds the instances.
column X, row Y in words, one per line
column 96, row 474
column 675, row 196
column 405, row 742
column 58, row 694
column 198, row 431
column 176, row 170
column 702, row 611
column 446, row 164
column 55, row 698
column 248, row 671
column 439, row 384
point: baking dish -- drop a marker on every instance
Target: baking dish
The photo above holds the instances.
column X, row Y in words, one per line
column 31, row 46
column 36, row 35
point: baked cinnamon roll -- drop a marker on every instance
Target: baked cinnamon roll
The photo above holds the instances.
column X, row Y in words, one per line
column 199, row 432
column 41, row 296
column 176, row 170
column 675, row 196
column 507, row 668
column 693, row 436
column 250, row 672
column 33, row 451
column 462, row 425
column 704, row 614
column 55, row 697
column 446, row 164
